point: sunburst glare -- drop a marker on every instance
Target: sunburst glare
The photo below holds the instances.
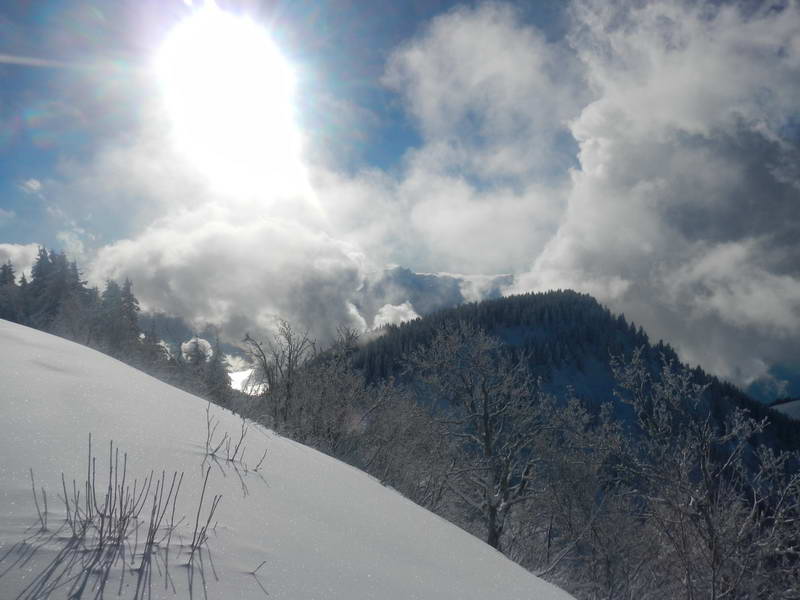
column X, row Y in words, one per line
column 229, row 95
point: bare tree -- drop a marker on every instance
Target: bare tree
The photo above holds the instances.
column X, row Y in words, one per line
column 724, row 509
column 329, row 397
column 583, row 531
column 278, row 362
column 492, row 408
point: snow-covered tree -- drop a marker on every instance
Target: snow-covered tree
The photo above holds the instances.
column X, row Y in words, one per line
column 725, row 509
column 493, row 410
column 278, row 362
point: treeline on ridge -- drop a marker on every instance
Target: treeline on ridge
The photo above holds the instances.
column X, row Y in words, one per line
column 57, row 300
column 562, row 334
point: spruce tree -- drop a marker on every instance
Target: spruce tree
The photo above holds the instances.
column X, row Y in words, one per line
column 41, row 305
column 7, row 276
column 129, row 310
column 114, row 329
column 216, row 377
column 9, row 293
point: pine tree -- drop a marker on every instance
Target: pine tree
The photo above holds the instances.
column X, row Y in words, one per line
column 9, row 293
column 216, row 377
column 23, row 308
column 119, row 319
column 75, row 312
column 7, row 276
column 130, row 310
column 153, row 356
column 41, row 305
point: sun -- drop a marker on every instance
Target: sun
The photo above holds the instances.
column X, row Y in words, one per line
column 229, row 95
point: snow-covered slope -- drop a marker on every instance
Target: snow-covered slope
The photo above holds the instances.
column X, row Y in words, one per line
column 310, row 526
column 790, row 409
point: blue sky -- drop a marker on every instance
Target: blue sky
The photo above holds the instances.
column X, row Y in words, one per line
column 641, row 151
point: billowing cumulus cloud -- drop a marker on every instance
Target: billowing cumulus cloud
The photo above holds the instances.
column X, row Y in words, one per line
column 238, row 271
column 683, row 211
column 490, row 94
column 492, row 100
column 390, row 314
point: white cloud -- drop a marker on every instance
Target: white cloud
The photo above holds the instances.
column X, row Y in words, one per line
column 242, row 272
column 732, row 282
column 492, row 98
column 31, row 186
column 485, row 190
column 665, row 65
column 490, row 94
column 72, row 244
column 390, row 314
column 357, row 321
column 682, row 213
column 22, row 256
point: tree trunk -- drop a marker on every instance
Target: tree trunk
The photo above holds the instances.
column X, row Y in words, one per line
column 493, row 533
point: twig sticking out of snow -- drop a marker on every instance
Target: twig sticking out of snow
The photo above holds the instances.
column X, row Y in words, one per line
column 234, row 452
column 199, row 537
column 254, row 571
column 42, row 515
column 106, row 527
column 258, row 466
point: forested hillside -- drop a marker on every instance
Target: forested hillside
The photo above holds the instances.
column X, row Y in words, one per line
column 662, row 483
column 569, row 340
column 57, row 300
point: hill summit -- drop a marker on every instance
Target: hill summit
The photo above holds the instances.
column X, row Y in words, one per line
column 570, row 340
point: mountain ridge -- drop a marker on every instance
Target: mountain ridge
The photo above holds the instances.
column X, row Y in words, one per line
column 569, row 338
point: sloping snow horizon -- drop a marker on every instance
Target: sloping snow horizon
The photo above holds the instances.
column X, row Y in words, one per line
column 304, row 526
column 790, row 409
